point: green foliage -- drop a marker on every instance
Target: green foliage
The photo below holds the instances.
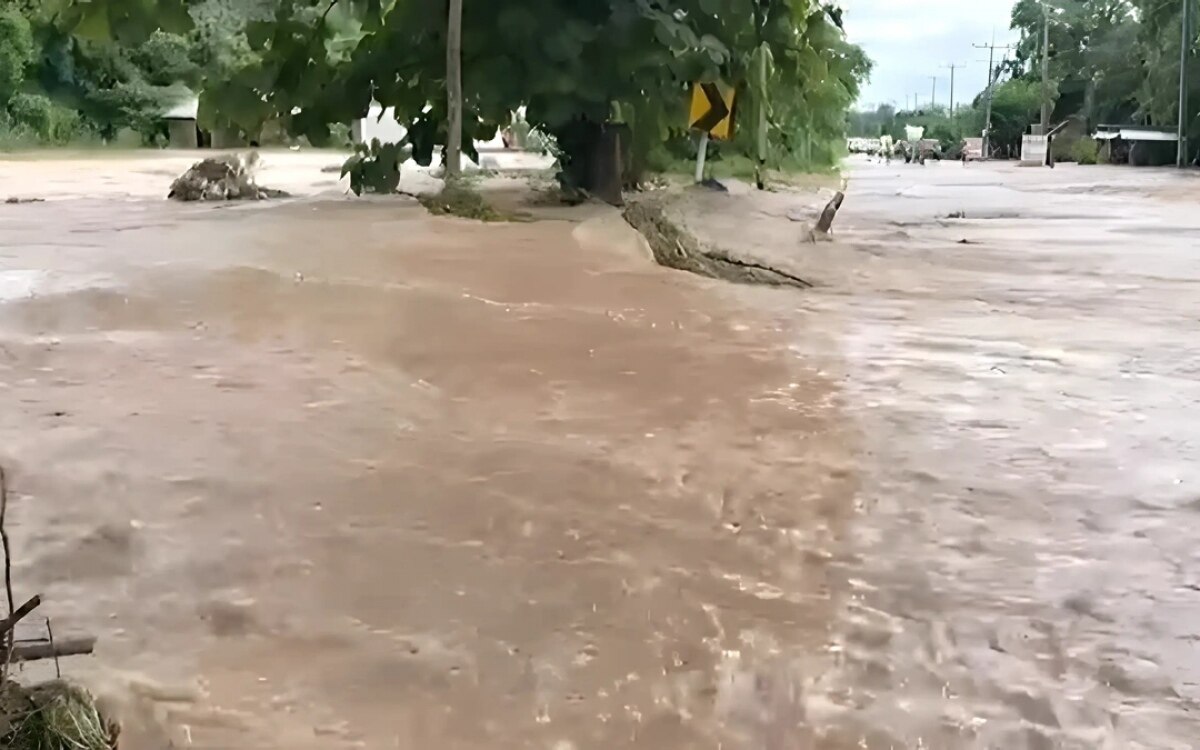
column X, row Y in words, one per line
column 16, row 52
column 166, row 59
column 1086, row 151
column 375, row 167
column 1110, row 61
column 135, row 105
column 33, row 111
column 54, row 716
column 1015, row 104
column 578, row 67
column 873, row 124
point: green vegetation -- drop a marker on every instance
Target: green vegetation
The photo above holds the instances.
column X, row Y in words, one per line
column 53, row 716
column 65, row 83
column 1110, row 62
column 1085, row 151
column 606, row 81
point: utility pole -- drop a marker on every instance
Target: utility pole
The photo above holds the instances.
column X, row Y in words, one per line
column 987, row 128
column 1046, row 68
column 454, row 96
column 952, row 67
column 1185, row 49
column 933, row 95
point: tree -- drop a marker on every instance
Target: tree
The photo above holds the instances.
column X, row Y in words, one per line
column 16, row 52
column 1016, row 104
column 1095, row 63
column 1113, row 61
column 454, row 98
column 607, row 79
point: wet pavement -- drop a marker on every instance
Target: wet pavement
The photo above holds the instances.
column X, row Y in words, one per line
column 335, row 474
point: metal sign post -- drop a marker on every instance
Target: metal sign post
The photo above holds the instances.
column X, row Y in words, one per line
column 701, row 155
column 711, row 114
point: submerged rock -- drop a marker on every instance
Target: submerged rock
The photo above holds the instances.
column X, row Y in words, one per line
column 223, row 178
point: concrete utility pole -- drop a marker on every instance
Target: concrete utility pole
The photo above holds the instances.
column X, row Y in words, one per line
column 933, row 94
column 952, row 67
column 454, row 97
column 1185, row 49
column 987, row 128
column 1046, row 68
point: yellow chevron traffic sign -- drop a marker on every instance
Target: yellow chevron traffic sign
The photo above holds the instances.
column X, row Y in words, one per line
column 712, row 110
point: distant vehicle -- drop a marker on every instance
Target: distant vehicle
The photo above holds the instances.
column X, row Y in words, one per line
column 863, row 145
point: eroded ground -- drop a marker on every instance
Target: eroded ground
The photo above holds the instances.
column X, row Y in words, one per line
column 334, row 473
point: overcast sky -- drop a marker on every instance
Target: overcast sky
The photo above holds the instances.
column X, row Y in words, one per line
column 910, row 40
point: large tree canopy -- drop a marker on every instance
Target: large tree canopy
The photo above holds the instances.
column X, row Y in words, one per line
column 1110, row 60
column 580, row 68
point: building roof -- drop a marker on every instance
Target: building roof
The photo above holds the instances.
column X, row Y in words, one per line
column 1135, row 133
column 186, row 108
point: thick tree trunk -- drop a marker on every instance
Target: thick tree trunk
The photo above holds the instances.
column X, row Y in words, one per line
column 606, row 166
column 454, row 99
column 593, row 159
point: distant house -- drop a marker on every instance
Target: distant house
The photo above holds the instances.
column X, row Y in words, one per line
column 1137, row 145
column 182, row 129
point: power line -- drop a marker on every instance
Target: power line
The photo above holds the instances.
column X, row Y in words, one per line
column 987, row 128
column 952, row 67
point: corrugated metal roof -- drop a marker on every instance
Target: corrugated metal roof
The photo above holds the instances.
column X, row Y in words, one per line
column 1134, row 133
column 187, row 109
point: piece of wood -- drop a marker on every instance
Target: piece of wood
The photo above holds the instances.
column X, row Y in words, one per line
column 830, row 213
column 8, row 623
column 39, row 651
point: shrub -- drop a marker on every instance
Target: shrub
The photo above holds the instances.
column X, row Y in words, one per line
column 34, row 111
column 1086, row 151
column 38, row 120
column 16, row 52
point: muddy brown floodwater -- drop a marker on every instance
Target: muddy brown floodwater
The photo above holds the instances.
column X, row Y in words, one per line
column 338, row 474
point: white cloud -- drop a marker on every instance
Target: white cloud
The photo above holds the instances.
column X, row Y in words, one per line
column 911, row 40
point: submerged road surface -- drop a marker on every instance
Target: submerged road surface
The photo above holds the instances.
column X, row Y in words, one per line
column 338, row 474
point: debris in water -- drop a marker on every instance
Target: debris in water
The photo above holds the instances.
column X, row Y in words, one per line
column 53, row 716
column 222, row 179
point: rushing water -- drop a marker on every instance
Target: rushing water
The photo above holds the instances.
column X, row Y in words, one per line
column 338, row 474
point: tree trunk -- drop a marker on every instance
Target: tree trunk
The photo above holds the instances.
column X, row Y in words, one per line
column 606, row 166
column 593, row 159
column 454, row 98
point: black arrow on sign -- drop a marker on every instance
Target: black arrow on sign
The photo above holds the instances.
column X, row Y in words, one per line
column 717, row 110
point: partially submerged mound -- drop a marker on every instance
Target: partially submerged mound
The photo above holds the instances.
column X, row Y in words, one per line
column 224, row 178
column 674, row 247
column 53, row 716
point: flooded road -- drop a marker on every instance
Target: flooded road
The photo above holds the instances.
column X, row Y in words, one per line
column 338, row 474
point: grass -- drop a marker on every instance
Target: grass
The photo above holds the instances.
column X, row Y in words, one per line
column 461, row 199
column 55, row 716
column 740, row 167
